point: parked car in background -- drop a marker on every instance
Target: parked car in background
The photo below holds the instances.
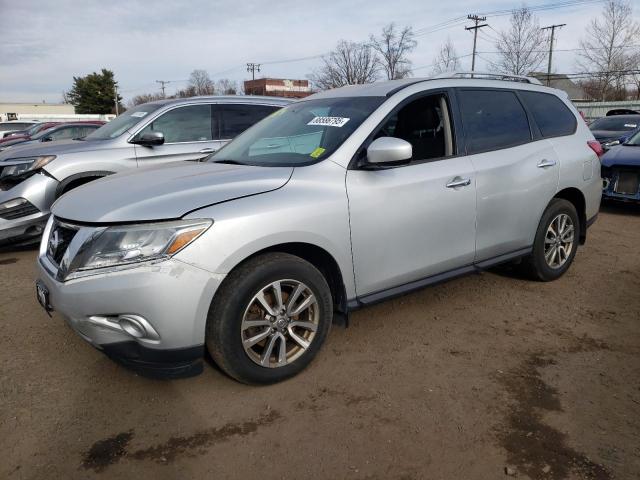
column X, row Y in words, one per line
column 34, row 174
column 29, row 132
column 611, row 128
column 62, row 131
column 341, row 200
column 13, row 125
column 621, row 171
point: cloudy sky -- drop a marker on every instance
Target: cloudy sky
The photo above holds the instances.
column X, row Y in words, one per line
column 45, row 43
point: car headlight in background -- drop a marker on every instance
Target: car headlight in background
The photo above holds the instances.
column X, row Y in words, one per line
column 613, row 143
column 129, row 244
column 18, row 167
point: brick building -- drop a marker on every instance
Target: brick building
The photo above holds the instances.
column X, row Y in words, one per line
column 278, row 87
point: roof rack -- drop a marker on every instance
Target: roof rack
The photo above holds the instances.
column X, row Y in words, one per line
column 490, row 76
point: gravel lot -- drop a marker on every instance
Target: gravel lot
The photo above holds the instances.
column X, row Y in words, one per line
column 467, row 380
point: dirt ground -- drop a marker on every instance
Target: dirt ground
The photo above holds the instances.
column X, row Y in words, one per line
column 467, row 380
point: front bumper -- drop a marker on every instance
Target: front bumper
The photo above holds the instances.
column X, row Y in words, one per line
column 621, row 184
column 173, row 297
column 39, row 190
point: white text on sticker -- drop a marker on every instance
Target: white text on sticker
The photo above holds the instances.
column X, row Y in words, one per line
column 329, row 121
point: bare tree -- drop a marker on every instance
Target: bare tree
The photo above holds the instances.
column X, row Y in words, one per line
column 224, row 86
column 447, row 59
column 202, row 84
column 522, row 45
column 393, row 46
column 145, row 98
column 350, row 63
column 605, row 46
column 189, row 91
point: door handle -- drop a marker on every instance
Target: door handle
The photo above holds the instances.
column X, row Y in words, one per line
column 207, row 150
column 544, row 163
column 459, row 182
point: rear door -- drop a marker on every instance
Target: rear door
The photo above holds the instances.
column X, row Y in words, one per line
column 190, row 133
column 516, row 170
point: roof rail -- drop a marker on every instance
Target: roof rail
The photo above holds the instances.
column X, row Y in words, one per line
column 490, row 76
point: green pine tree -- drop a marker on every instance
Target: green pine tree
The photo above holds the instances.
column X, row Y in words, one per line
column 94, row 93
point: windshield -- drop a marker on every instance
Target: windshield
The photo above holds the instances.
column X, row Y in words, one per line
column 634, row 139
column 36, row 128
column 300, row 134
column 124, row 122
column 615, row 123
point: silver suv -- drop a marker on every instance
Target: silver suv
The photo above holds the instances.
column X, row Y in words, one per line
column 344, row 199
column 33, row 176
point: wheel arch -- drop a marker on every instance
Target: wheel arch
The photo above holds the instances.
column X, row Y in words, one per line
column 576, row 197
column 73, row 181
column 319, row 258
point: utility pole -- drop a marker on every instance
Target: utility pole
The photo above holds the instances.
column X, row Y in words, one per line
column 553, row 31
column 475, row 29
column 253, row 68
column 115, row 91
column 162, row 85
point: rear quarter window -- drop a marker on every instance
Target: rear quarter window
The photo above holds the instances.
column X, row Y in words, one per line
column 492, row 120
column 553, row 117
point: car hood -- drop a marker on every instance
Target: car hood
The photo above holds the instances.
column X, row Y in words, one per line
column 622, row 155
column 166, row 192
column 609, row 135
column 32, row 148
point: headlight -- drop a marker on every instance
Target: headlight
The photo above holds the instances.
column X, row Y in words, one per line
column 17, row 167
column 613, row 143
column 129, row 244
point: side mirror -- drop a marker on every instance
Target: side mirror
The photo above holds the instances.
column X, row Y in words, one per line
column 389, row 150
column 149, row 139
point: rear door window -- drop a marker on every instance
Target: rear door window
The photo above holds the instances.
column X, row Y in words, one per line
column 235, row 119
column 553, row 117
column 492, row 120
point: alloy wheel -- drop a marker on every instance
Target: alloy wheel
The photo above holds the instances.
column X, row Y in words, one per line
column 558, row 241
column 279, row 323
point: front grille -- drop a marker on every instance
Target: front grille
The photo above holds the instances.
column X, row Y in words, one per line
column 18, row 211
column 60, row 237
column 627, row 183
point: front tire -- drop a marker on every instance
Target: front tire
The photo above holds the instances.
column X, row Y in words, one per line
column 556, row 242
column 269, row 319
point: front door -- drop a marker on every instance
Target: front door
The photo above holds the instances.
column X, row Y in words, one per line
column 417, row 220
column 190, row 133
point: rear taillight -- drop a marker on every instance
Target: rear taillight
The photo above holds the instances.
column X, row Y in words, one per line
column 596, row 147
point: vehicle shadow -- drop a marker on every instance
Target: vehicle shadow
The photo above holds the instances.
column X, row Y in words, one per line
column 619, row 208
column 19, row 248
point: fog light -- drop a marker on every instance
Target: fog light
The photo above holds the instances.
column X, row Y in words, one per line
column 16, row 202
column 137, row 327
column 605, row 183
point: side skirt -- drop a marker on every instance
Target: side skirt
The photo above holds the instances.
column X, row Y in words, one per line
column 373, row 298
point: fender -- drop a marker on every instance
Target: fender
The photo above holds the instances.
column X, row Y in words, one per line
column 78, row 176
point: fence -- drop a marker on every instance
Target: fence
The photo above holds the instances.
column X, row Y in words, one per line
column 594, row 110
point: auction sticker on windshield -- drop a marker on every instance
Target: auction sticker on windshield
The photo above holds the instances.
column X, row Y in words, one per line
column 329, row 121
column 138, row 114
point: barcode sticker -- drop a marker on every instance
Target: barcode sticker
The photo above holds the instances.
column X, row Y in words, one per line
column 329, row 121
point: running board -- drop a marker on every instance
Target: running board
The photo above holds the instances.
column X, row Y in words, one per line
column 373, row 298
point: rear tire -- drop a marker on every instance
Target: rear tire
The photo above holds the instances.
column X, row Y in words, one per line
column 556, row 242
column 259, row 336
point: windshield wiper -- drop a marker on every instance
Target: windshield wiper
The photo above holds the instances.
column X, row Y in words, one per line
column 229, row 162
